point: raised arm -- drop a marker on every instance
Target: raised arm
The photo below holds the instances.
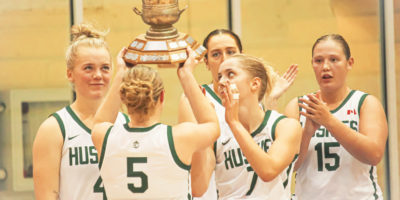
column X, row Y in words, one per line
column 191, row 136
column 368, row 144
column 108, row 111
column 281, row 153
column 203, row 161
column 281, row 84
column 47, row 150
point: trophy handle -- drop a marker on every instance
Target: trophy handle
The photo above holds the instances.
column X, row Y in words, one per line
column 137, row 11
column 181, row 11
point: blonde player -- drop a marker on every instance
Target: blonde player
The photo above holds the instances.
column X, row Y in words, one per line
column 222, row 44
column 145, row 159
column 253, row 156
column 344, row 130
column 65, row 163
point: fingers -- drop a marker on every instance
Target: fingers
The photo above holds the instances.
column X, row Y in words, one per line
column 291, row 73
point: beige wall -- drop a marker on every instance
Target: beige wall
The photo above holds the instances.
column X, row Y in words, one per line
column 34, row 35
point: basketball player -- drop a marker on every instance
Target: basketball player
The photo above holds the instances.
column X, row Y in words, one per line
column 344, row 130
column 65, row 163
column 145, row 159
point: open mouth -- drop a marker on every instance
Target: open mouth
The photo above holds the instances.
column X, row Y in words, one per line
column 327, row 76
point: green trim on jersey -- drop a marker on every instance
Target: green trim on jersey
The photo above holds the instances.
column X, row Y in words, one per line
column 344, row 101
column 60, row 123
column 127, row 120
column 212, row 93
column 274, row 126
column 263, row 124
column 144, row 129
column 173, row 151
column 285, row 183
column 361, row 102
column 103, row 148
column 77, row 120
column 373, row 182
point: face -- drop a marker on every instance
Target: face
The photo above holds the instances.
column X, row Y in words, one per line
column 91, row 72
column 231, row 72
column 330, row 65
column 220, row 47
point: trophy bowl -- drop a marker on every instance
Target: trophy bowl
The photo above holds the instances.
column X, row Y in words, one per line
column 160, row 15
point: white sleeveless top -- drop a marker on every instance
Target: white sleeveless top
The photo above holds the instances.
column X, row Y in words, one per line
column 329, row 171
column 141, row 163
column 79, row 172
column 235, row 179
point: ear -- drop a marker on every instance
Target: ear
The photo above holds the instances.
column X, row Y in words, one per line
column 255, row 84
column 350, row 63
column 69, row 75
column 206, row 62
column 162, row 96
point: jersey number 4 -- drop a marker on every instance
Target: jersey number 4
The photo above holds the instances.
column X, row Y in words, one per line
column 138, row 174
column 327, row 155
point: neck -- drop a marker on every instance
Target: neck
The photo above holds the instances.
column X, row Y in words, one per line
column 250, row 114
column 332, row 98
column 138, row 122
column 86, row 109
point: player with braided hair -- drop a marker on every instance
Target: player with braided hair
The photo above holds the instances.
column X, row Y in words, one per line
column 145, row 159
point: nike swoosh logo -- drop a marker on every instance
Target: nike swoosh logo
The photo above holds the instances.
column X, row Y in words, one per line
column 72, row 137
column 226, row 142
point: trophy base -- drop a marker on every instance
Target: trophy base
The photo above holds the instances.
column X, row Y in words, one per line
column 165, row 53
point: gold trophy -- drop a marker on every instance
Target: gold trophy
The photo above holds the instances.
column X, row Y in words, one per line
column 162, row 44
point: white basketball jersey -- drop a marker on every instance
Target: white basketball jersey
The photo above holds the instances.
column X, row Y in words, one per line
column 79, row 171
column 329, row 171
column 141, row 163
column 235, row 179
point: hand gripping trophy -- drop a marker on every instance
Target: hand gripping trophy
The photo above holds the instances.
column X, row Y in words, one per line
column 162, row 43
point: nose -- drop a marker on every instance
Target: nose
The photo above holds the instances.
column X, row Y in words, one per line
column 326, row 66
column 224, row 56
column 97, row 74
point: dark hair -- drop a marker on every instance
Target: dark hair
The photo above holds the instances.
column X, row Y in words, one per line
column 335, row 37
column 222, row 31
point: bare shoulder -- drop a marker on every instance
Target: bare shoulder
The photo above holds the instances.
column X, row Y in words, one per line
column 49, row 137
column 371, row 102
column 50, row 130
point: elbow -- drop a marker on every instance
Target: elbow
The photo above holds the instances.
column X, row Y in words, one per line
column 375, row 158
column 268, row 175
column 216, row 131
column 198, row 192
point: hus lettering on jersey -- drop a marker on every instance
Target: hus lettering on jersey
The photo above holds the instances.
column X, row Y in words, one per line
column 322, row 132
column 82, row 155
column 235, row 158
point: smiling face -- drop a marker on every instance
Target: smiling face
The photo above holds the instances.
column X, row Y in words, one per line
column 330, row 64
column 220, row 47
column 91, row 72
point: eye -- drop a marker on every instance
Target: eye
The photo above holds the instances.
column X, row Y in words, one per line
column 215, row 54
column 231, row 74
column 317, row 60
column 88, row 67
column 231, row 52
column 106, row 68
column 219, row 76
column 334, row 60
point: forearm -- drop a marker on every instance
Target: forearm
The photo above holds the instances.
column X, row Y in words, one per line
column 357, row 144
column 108, row 110
column 203, row 164
column 305, row 142
column 260, row 161
column 202, row 109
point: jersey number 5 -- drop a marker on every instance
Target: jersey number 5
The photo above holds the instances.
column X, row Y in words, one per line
column 138, row 174
column 327, row 155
